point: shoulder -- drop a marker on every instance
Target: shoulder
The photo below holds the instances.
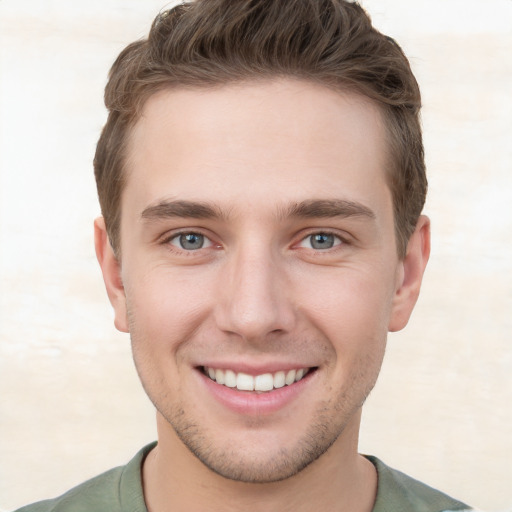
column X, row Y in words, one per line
column 98, row 491
column 397, row 492
column 116, row 490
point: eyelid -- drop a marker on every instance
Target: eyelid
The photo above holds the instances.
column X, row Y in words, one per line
column 342, row 240
column 177, row 236
column 307, row 240
column 168, row 237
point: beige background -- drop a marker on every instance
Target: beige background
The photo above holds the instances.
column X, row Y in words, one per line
column 70, row 402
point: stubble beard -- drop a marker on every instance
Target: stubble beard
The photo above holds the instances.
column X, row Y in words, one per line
column 235, row 462
column 261, row 467
column 258, row 466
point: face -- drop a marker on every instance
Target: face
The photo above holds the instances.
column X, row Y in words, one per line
column 259, row 274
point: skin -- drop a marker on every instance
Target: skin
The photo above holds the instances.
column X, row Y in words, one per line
column 258, row 169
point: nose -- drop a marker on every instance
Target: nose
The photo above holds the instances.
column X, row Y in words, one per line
column 255, row 295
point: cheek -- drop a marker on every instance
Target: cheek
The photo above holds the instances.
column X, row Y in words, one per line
column 351, row 308
column 164, row 308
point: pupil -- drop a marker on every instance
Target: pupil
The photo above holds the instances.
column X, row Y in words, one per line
column 322, row 241
column 191, row 241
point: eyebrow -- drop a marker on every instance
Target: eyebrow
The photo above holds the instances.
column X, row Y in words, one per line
column 190, row 209
column 314, row 208
column 328, row 208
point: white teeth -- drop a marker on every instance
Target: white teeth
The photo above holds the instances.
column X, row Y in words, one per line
column 263, row 382
column 219, row 376
column 279, row 380
column 244, row 382
column 290, row 377
column 230, row 379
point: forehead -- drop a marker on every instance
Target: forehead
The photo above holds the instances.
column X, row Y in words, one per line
column 275, row 142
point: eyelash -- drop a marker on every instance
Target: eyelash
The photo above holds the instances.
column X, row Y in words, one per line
column 167, row 241
column 339, row 240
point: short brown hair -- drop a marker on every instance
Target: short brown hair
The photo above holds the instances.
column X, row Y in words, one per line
column 213, row 42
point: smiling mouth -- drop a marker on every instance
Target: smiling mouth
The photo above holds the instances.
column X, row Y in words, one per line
column 259, row 383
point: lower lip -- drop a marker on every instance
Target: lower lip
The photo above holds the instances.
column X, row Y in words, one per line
column 252, row 403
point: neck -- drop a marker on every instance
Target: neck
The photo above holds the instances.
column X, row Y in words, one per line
column 175, row 480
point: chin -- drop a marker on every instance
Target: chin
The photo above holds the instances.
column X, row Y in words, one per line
column 260, row 455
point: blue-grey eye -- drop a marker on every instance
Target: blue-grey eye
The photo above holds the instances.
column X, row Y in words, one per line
column 320, row 241
column 190, row 241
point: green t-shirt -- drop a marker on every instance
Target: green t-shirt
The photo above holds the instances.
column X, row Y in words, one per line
column 120, row 490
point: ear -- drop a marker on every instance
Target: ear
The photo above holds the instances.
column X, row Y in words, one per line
column 410, row 275
column 111, row 270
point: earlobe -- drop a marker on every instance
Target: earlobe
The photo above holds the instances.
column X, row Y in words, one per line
column 410, row 275
column 111, row 270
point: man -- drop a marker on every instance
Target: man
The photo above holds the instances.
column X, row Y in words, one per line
column 261, row 179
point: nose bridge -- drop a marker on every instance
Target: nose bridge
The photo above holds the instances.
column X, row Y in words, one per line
column 254, row 300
